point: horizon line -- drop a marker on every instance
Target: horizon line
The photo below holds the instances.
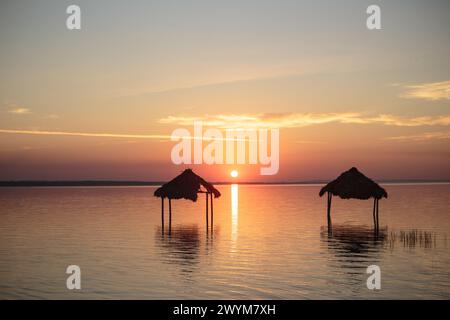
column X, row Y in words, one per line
column 99, row 183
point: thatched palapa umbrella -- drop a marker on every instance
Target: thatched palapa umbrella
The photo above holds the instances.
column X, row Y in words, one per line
column 186, row 186
column 352, row 184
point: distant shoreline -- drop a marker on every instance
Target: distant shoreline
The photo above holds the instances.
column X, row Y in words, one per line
column 120, row 183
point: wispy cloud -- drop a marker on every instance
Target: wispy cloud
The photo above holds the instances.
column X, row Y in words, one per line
column 393, row 120
column 263, row 120
column 85, row 134
column 425, row 136
column 432, row 91
column 295, row 120
column 19, row 110
column 112, row 135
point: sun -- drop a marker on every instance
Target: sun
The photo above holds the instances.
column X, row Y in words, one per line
column 234, row 173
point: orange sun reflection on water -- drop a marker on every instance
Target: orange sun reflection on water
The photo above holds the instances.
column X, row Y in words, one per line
column 234, row 211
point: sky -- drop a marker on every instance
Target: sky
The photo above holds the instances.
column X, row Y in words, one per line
column 101, row 102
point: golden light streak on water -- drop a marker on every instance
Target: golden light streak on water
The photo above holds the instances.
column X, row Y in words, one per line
column 234, row 213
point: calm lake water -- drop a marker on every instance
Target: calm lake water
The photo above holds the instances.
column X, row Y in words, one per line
column 268, row 242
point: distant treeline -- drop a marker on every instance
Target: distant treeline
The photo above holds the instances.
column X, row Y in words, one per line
column 101, row 183
column 84, row 183
column 106, row 183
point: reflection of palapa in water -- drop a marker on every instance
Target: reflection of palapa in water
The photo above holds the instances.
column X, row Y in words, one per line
column 182, row 245
column 357, row 240
column 353, row 240
column 354, row 248
column 357, row 247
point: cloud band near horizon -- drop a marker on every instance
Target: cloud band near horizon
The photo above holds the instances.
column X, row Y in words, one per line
column 296, row 120
column 263, row 120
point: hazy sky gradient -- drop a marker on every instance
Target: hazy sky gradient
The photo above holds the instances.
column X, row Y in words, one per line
column 136, row 64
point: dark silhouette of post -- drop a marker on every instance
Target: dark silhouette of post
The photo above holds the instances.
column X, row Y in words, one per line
column 378, row 221
column 170, row 216
column 212, row 213
column 374, row 213
column 207, row 211
column 162, row 215
column 330, row 196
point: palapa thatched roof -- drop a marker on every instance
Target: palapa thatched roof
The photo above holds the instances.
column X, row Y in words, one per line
column 185, row 186
column 352, row 184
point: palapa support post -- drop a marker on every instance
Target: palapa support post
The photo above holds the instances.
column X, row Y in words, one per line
column 378, row 222
column 206, row 211
column 212, row 212
column 170, row 216
column 162, row 215
column 330, row 195
column 374, row 213
column 329, row 225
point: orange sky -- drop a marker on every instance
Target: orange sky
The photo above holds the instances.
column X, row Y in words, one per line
column 102, row 102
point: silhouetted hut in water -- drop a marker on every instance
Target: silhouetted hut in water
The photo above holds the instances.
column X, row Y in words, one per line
column 352, row 184
column 186, row 186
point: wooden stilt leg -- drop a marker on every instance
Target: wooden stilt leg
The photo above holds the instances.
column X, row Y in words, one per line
column 378, row 221
column 374, row 213
column 331, row 198
column 329, row 206
column 206, row 211
column 212, row 212
column 329, row 195
column 162, row 215
column 170, row 216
